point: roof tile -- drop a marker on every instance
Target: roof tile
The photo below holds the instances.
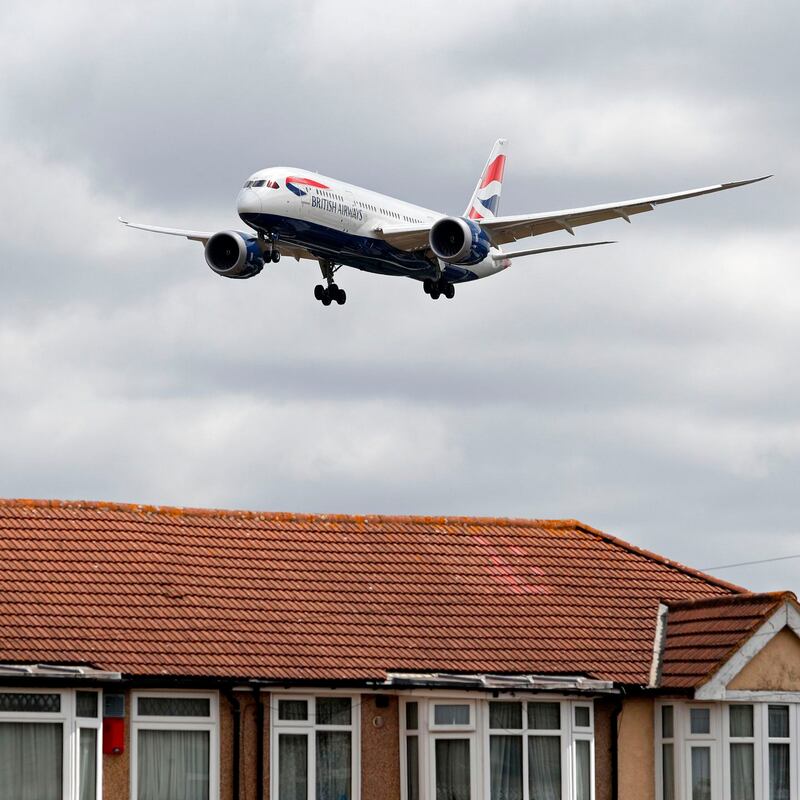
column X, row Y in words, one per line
column 146, row 590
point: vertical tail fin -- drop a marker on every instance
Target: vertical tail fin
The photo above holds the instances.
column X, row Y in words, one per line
column 485, row 200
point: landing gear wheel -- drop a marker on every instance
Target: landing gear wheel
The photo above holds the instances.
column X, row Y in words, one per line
column 434, row 292
column 341, row 297
column 319, row 291
column 427, row 284
column 276, row 256
column 449, row 291
column 326, row 298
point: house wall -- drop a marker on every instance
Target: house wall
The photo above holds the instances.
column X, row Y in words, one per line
column 116, row 768
column 636, row 750
column 775, row 668
column 603, row 715
column 380, row 748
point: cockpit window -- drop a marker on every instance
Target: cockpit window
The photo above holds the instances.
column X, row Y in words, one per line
column 258, row 183
column 248, row 184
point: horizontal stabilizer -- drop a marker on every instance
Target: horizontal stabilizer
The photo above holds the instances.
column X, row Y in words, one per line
column 518, row 253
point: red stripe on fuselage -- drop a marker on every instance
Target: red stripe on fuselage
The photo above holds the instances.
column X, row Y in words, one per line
column 495, row 171
column 306, row 182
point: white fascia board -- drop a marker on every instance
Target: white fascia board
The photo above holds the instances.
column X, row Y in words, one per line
column 716, row 687
column 658, row 646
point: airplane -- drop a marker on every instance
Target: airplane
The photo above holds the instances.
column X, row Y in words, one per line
column 302, row 214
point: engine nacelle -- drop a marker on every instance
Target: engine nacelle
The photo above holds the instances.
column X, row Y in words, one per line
column 458, row 240
column 234, row 254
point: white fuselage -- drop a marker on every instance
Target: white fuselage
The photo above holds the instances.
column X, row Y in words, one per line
column 342, row 222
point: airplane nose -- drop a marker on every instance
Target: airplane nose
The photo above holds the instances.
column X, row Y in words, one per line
column 248, row 202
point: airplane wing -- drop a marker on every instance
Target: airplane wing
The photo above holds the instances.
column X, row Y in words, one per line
column 508, row 229
column 502, row 230
column 195, row 236
column 292, row 250
column 405, row 237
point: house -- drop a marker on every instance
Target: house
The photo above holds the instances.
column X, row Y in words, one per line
column 182, row 654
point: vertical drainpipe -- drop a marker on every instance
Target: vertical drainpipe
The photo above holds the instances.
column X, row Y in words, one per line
column 615, row 715
column 259, row 744
column 236, row 712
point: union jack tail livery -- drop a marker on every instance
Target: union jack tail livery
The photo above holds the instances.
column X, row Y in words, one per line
column 485, row 199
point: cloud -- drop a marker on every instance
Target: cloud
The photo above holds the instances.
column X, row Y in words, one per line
column 649, row 388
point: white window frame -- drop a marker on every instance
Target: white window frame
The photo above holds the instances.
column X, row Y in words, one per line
column 720, row 740
column 71, row 726
column 479, row 732
column 309, row 728
column 141, row 722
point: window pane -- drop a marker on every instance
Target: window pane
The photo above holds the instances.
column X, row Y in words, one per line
column 701, row 773
column 544, row 767
column 174, row 706
column 779, row 722
column 86, row 704
column 30, row 701
column 742, row 772
column 451, row 714
column 334, row 759
column 544, row 716
column 668, row 771
column 667, row 716
column 87, row 768
column 700, row 720
column 583, row 770
column 741, row 720
column 292, row 766
column 505, row 765
column 30, row 760
column 412, row 767
column 506, row 716
column 173, row 764
column 293, row 709
column 778, row 771
column 412, row 716
column 333, row 710
column 452, row 769
column 582, row 717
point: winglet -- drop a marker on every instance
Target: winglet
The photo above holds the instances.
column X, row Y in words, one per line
column 123, row 221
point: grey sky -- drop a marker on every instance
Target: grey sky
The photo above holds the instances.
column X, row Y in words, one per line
column 649, row 388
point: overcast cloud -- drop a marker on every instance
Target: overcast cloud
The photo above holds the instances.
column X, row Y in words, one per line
column 649, row 388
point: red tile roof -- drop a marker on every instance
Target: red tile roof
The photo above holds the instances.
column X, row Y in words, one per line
column 187, row 592
column 701, row 635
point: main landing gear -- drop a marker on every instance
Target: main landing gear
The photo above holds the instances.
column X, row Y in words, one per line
column 330, row 293
column 437, row 288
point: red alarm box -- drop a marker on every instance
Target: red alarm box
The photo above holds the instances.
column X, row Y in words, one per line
column 113, row 735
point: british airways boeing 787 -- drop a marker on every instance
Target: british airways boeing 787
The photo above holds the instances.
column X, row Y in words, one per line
column 305, row 215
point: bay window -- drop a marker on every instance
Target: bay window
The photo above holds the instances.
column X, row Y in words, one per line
column 315, row 747
column 507, row 749
column 49, row 744
column 727, row 751
column 174, row 746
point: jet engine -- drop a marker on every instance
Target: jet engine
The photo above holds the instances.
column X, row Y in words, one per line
column 234, row 254
column 458, row 240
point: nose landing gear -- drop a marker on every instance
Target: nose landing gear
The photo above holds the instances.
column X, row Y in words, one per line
column 330, row 293
column 269, row 248
column 437, row 288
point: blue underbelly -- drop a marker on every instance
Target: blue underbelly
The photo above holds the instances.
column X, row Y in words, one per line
column 361, row 252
